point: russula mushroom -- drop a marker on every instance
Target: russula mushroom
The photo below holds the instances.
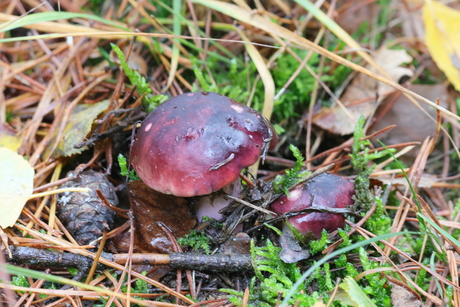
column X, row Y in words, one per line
column 324, row 190
column 197, row 143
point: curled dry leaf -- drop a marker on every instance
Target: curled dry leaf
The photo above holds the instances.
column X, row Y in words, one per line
column 16, row 185
column 76, row 129
column 360, row 97
column 443, row 38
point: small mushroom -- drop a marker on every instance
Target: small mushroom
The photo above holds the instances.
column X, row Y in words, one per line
column 197, row 143
column 325, row 190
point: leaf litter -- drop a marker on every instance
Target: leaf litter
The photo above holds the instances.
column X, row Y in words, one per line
column 364, row 94
column 50, row 86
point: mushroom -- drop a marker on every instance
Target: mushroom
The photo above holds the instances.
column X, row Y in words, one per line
column 324, row 190
column 197, row 143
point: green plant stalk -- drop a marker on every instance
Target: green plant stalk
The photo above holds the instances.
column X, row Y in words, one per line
column 217, row 26
column 177, row 29
column 433, row 267
column 451, row 239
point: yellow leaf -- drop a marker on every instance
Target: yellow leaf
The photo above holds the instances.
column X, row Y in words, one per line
column 442, row 26
column 76, row 129
column 350, row 293
column 16, row 185
column 8, row 138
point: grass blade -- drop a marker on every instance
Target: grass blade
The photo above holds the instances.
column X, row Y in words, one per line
column 51, row 16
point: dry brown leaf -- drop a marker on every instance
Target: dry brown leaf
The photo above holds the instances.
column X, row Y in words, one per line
column 412, row 124
column 426, row 181
column 402, row 295
column 360, row 97
column 354, row 13
column 151, row 207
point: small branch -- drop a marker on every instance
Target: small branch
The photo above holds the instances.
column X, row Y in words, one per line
column 184, row 261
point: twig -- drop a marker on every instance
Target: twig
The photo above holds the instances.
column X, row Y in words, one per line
column 184, row 261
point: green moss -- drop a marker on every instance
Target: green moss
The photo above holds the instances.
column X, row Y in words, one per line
column 320, row 245
column 197, row 240
column 359, row 161
column 282, row 183
column 124, row 170
column 142, row 86
column 273, row 276
column 20, row 281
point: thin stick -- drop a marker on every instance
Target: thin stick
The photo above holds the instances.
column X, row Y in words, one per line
column 251, row 205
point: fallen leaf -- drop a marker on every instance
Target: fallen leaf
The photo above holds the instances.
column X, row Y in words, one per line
column 426, row 181
column 292, row 251
column 402, row 295
column 76, row 129
column 8, row 138
column 151, row 207
column 412, row 124
column 350, row 293
column 360, row 97
column 237, row 244
column 354, row 14
column 16, row 185
column 443, row 38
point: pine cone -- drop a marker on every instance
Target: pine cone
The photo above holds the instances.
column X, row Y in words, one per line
column 84, row 214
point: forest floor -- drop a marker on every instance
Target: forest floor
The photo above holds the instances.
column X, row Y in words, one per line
column 364, row 99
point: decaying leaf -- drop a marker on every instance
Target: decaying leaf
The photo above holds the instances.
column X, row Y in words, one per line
column 16, row 185
column 402, row 295
column 412, row 124
column 443, row 38
column 364, row 94
column 151, row 207
column 76, row 129
column 292, row 250
column 8, row 138
column 426, row 181
column 350, row 293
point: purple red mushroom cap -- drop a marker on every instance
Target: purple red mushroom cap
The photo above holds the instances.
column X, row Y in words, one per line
column 197, row 143
column 327, row 190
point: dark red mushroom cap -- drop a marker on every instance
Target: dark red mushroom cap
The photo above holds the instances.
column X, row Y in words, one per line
column 197, row 143
column 327, row 190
